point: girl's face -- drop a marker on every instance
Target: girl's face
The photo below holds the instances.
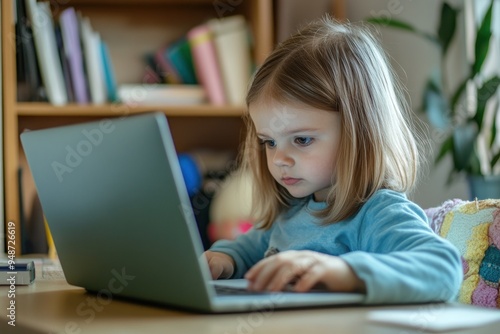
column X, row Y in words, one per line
column 301, row 146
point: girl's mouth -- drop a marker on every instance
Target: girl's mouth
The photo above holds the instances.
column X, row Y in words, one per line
column 289, row 181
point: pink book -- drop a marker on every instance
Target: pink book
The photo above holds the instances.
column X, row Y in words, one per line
column 206, row 63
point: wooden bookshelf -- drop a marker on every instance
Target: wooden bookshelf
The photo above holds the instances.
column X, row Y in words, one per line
column 130, row 28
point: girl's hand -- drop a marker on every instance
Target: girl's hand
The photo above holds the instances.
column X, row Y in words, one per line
column 221, row 265
column 304, row 269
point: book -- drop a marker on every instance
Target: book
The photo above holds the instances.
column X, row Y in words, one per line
column 17, row 272
column 165, row 69
column 109, row 73
column 64, row 63
column 68, row 21
column 45, row 44
column 206, row 64
column 29, row 82
column 161, row 94
column 91, row 42
column 152, row 73
column 180, row 56
column 231, row 39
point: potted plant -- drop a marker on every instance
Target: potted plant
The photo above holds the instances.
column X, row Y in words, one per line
column 470, row 128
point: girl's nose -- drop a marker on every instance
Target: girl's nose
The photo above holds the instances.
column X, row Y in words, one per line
column 282, row 158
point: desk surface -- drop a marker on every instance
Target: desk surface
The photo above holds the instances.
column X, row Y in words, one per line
column 53, row 306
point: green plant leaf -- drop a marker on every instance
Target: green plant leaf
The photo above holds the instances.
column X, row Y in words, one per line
column 397, row 24
column 392, row 23
column 482, row 41
column 435, row 105
column 456, row 96
column 493, row 133
column 447, row 26
column 474, row 167
column 484, row 93
column 464, row 137
column 495, row 159
column 494, row 128
column 446, row 147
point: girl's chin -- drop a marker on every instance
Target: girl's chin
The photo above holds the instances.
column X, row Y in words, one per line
column 297, row 194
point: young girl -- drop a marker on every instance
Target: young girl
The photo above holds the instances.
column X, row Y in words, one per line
column 332, row 155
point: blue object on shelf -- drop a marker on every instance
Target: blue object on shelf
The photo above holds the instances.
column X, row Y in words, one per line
column 191, row 173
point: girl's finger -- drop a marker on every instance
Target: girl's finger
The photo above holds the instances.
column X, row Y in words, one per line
column 260, row 275
column 310, row 278
column 284, row 276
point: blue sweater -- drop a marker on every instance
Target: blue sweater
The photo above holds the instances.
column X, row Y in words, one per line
column 388, row 244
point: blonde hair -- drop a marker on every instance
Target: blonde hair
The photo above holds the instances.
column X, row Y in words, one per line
column 337, row 68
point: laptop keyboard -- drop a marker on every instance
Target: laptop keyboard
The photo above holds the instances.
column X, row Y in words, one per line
column 232, row 291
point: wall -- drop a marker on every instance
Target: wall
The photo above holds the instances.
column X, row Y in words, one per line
column 413, row 59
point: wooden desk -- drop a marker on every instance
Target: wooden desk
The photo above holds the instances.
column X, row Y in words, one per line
column 53, row 306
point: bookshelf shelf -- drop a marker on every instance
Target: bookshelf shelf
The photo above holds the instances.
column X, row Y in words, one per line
column 119, row 110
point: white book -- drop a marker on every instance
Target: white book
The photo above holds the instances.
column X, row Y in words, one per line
column 46, row 50
column 232, row 45
column 91, row 41
column 161, row 94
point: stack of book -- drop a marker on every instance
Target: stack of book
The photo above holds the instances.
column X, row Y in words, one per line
column 230, row 39
column 210, row 63
column 60, row 61
column 64, row 61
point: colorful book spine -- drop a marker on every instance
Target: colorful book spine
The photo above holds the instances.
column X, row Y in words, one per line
column 206, row 63
column 73, row 51
column 109, row 73
column 180, row 56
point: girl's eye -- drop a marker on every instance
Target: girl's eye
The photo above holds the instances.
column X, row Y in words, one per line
column 304, row 141
column 268, row 142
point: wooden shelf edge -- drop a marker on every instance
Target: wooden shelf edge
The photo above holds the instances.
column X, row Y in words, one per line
column 143, row 2
column 110, row 110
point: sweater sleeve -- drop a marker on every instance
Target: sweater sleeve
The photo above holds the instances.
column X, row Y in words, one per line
column 400, row 258
column 246, row 250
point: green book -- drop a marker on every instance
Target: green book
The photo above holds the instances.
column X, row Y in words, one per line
column 179, row 55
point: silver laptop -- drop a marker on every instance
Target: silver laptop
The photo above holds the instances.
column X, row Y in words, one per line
column 114, row 197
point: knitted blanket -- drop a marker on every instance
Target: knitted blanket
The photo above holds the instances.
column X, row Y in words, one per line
column 474, row 228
